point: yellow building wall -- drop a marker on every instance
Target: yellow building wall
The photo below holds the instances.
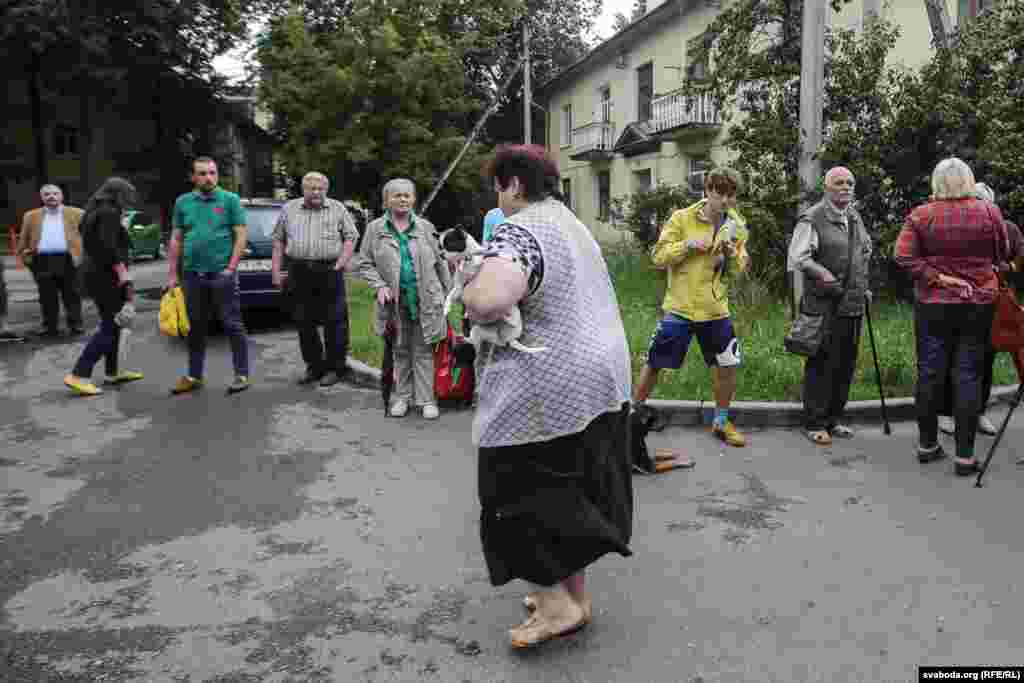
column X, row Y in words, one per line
column 914, row 46
column 666, row 50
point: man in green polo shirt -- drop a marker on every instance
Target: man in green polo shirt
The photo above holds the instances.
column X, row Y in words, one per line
column 210, row 224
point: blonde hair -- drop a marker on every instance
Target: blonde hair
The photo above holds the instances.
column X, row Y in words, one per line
column 983, row 191
column 952, row 179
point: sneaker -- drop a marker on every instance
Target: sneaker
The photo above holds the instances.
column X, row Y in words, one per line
column 8, row 336
column 76, row 331
column 186, row 384
column 946, row 424
column 80, row 386
column 985, row 426
column 430, row 412
column 729, row 434
column 240, row 384
column 399, row 408
column 926, row 455
column 123, row 376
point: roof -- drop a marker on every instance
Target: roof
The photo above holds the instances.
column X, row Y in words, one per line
column 618, row 43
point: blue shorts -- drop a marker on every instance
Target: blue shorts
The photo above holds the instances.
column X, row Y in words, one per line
column 671, row 340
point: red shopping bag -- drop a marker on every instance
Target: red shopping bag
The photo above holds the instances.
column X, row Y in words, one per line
column 452, row 381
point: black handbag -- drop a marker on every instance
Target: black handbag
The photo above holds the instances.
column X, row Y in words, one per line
column 807, row 333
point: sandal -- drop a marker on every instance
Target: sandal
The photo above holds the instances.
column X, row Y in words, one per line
column 841, row 432
column 537, row 630
column 820, row 437
column 530, row 603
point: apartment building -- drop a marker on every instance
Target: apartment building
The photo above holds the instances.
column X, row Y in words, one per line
column 618, row 123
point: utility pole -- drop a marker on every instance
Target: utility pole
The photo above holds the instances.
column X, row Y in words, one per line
column 812, row 97
column 527, row 94
column 812, row 86
column 938, row 17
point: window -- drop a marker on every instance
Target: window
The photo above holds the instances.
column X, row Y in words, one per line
column 566, row 125
column 644, row 91
column 605, row 95
column 642, row 180
column 699, row 166
column 65, row 141
column 604, row 195
column 567, row 192
column 698, row 54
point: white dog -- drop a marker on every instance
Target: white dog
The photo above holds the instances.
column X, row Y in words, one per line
column 503, row 332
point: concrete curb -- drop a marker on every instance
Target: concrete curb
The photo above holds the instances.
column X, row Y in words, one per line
column 746, row 413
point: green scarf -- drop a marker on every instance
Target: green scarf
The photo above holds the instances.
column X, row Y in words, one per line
column 407, row 287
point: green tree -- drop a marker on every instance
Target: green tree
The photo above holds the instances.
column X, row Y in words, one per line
column 385, row 97
column 754, row 49
column 146, row 57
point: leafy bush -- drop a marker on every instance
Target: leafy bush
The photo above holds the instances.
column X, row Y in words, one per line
column 645, row 212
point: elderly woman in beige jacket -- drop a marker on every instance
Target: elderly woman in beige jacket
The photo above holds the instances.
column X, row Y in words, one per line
column 401, row 259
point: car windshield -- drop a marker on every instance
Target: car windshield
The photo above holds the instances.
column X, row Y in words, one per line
column 261, row 221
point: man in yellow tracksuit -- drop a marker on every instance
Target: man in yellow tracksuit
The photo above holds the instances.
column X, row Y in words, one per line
column 699, row 245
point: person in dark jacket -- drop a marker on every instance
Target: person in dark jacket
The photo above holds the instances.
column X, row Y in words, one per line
column 106, row 244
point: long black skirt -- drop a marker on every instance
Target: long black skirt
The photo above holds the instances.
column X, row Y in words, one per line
column 552, row 508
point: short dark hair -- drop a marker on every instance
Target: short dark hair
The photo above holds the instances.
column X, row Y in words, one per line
column 536, row 170
column 203, row 160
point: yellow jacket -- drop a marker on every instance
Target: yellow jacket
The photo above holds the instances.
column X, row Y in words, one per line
column 694, row 290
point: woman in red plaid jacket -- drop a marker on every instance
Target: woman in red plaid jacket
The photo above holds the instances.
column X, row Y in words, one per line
column 951, row 247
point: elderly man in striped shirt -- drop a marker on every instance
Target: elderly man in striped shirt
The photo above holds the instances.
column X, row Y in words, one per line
column 318, row 236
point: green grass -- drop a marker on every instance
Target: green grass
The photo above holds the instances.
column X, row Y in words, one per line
column 768, row 372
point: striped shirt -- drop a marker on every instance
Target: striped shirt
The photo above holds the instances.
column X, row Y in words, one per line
column 962, row 238
column 315, row 234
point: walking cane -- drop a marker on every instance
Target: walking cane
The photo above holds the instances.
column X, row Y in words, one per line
column 1018, row 361
column 878, row 373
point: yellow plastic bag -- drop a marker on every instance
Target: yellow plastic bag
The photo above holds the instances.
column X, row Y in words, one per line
column 173, row 316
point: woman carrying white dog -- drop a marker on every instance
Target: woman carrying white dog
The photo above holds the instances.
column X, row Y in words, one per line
column 400, row 258
column 552, row 428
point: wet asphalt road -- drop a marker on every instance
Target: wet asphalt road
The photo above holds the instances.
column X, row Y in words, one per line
column 294, row 534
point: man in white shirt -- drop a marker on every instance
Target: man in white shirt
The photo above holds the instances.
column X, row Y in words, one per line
column 51, row 245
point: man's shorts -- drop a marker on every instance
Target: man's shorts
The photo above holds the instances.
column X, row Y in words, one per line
column 671, row 340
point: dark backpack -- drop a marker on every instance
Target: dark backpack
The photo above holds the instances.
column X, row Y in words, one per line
column 643, row 419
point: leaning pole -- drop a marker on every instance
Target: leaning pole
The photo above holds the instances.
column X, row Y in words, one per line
column 472, row 136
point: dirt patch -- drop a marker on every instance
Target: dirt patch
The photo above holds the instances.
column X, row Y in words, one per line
column 276, row 546
column 746, row 510
column 847, row 461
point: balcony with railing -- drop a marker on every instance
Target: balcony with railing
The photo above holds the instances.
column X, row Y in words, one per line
column 592, row 142
column 676, row 109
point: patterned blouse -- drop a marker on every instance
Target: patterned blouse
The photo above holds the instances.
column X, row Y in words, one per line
column 518, row 245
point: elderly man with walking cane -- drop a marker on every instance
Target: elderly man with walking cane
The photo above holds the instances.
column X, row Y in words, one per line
column 829, row 256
